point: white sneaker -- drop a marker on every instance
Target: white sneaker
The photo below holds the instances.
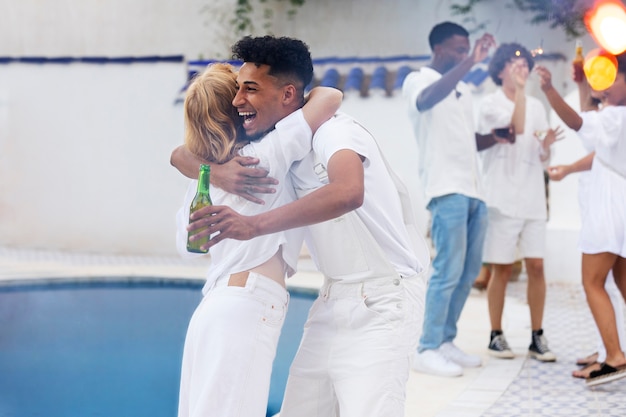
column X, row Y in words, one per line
column 434, row 363
column 456, row 355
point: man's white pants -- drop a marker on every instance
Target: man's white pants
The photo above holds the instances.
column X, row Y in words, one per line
column 229, row 349
column 354, row 358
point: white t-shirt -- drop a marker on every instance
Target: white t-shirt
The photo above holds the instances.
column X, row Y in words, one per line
column 445, row 137
column 513, row 178
column 381, row 211
column 290, row 141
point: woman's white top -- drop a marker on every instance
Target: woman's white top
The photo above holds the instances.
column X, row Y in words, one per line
column 290, row 141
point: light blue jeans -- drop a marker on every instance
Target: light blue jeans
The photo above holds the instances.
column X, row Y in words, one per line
column 458, row 231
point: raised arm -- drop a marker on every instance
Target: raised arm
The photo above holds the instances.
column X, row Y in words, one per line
column 236, row 176
column 569, row 116
column 186, row 162
column 321, row 105
column 433, row 94
column 585, row 95
column 519, row 75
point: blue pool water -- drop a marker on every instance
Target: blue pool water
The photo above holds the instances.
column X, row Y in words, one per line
column 111, row 349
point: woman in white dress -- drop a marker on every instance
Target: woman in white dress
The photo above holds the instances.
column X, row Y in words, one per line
column 593, row 361
column 603, row 233
column 591, row 100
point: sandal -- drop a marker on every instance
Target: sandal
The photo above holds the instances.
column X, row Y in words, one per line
column 588, row 360
column 605, row 374
column 586, row 371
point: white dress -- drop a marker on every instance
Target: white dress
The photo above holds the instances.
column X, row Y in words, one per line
column 604, row 221
column 584, row 187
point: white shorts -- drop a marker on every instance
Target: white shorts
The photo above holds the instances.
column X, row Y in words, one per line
column 509, row 238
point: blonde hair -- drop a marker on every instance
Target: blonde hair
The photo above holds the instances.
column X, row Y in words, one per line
column 211, row 121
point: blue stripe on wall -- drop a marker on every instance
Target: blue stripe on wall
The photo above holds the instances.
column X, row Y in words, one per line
column 91, row 60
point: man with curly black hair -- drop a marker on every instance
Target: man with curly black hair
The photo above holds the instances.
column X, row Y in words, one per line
column 283, row 60
column 363, row 327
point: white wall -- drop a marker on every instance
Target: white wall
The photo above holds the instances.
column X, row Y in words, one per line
column 84, row 156
column 194, row 27
column 84, row 149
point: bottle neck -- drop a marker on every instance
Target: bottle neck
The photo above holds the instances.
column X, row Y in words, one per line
column 579, row 49
column 203, row 181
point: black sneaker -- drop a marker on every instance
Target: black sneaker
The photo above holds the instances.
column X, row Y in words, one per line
column 539, row 349
column 498, row 346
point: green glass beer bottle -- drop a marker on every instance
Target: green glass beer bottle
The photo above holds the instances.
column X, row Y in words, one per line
column 202, row 199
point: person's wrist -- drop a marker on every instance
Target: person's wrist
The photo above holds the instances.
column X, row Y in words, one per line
column 256, row 224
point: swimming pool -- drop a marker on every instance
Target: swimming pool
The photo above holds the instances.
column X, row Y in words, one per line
column 109, row 347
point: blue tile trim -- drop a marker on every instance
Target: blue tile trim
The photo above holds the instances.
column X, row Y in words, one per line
column 39, row 60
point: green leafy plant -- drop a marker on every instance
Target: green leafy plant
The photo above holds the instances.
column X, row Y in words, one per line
column 245, row 10
column 229, row 20
column 565, row 14
column 469, row 18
